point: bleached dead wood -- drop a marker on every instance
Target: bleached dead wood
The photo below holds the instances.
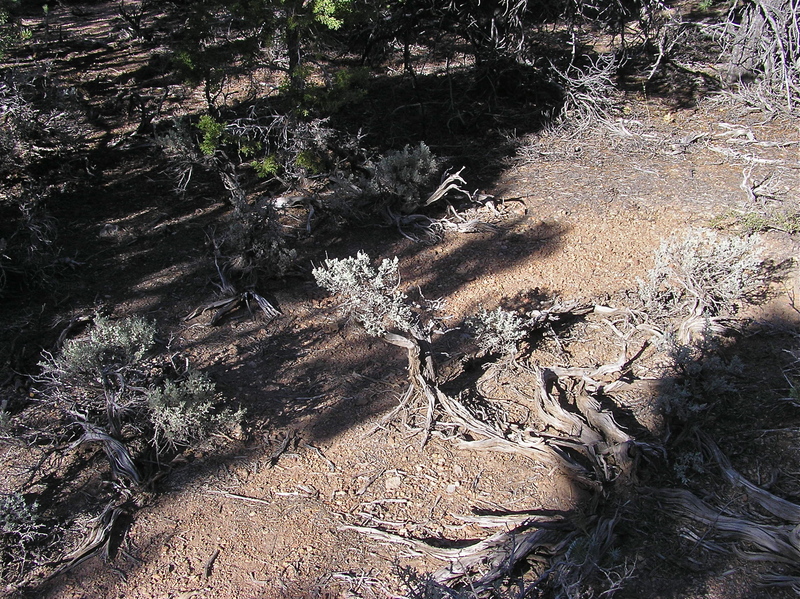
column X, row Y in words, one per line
column 452, row 182
column 773, row 542
column 494, row 556
column 777, row 506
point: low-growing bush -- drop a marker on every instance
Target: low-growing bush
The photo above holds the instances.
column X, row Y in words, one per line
column 253, row 241
column 499, row 331
column 110, row 383
column 185, row 411
column 404, row 175
column 28, row 249
column 98, row 378
column 703, row 272
column 589, row 92
column 24, row 536
column 371, row 295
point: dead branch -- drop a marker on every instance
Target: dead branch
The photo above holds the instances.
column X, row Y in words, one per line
column 772, row 540
column 452, row 182
column 777, row 506
column 496, row 555
column 118, row 456
column 97, row 538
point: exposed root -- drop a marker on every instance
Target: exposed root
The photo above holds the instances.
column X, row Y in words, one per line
column 777, row 506
column 777, row 543
column 569, row 418
column 97, row 539
column 567, row 427
column 493, row 557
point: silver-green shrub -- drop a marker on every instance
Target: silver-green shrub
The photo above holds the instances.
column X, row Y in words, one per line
column 254, row 240
column 105, row 380
column 703, row 268
column 98, row 375
column 371, row 295
column 404, row 174
column 109, row 346
column 22, row 536
column 498, row 331
column 183, row 412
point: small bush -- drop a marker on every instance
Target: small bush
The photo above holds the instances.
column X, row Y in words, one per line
column 184, row 412
column 182, row 153
column 404, row 174
column 42, row 119
column 253, row 241
column 28, row 254
column 499, row 331
column 371, row 295
column 109, row 346
column 703, row 271
column 700, row 377
column 266, row 167
column 105, row 380
column 23, row 536
column 97, row 378
column 589, row 92
column 763, row 46
column 787, row 221
column 213, row 132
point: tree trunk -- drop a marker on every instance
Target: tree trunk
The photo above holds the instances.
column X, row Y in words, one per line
column 753, row 46
column 296, row 79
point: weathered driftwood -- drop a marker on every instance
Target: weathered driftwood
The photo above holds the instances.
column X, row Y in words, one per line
column 773, row 542
column 568, row 428
column 777, row 506
column 452, row 182
column 96, row 540
column 118, row 456
column 495, row 556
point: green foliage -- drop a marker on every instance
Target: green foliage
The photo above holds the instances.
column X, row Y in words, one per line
column 184, row 412
column 213, row 131
column 328, row 12
column 352, row 80
column 248, row 148
column 215, row 36
column 784, row 219
column 371, row 295
column 218, row 36
column 10, row 32
column 787, row 221
column 266, row 167
column 185, row 63
column 348, row 86
column 309, row 161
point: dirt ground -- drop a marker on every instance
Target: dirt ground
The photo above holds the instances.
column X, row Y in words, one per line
column 577, row 218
